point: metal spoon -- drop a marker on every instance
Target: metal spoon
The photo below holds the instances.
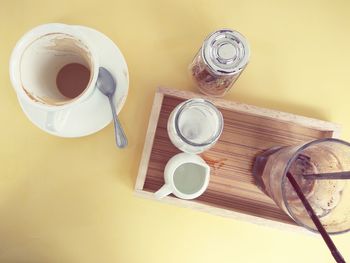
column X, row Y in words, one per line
column 106, row 84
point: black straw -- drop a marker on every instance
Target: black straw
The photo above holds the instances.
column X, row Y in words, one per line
column 336, row 254
column 328, row 176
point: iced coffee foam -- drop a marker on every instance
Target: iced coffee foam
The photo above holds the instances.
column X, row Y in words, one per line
column 323, row 195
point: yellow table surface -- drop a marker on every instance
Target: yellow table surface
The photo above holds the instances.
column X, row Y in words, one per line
column 71, row 200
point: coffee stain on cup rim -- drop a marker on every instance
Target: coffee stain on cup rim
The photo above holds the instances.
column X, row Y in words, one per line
column 63, row 43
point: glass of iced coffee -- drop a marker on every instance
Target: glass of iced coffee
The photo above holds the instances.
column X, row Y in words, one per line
column 329, row 197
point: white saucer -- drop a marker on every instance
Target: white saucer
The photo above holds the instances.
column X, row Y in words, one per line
column 84, row 120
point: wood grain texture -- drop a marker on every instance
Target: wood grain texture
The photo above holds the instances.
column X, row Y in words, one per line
column 248, row 130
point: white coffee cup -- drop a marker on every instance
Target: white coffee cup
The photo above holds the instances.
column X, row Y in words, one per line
column 36, row 60
column 186, row 176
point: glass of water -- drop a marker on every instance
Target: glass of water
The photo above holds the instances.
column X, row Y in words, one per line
column 195, row 125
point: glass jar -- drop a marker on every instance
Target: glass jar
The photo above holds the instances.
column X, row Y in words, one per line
column 220, row 61
column 195, row 125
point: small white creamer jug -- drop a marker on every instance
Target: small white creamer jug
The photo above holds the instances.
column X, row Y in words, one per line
column 186, row 176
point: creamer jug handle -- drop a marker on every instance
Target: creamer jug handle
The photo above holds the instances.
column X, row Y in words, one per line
column 163, row 191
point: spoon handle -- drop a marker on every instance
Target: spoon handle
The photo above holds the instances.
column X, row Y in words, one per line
column 120, row 136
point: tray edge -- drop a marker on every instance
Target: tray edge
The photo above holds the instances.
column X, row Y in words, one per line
column 149, row 138
column 217, row 211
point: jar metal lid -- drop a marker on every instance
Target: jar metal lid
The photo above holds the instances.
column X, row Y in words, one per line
column 226, row 51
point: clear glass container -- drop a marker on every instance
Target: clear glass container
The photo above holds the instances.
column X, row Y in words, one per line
column 195, row 125
column 220, row 61
column 329, row 198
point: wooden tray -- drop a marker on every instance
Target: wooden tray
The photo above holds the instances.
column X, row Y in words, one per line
column 248, row 130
